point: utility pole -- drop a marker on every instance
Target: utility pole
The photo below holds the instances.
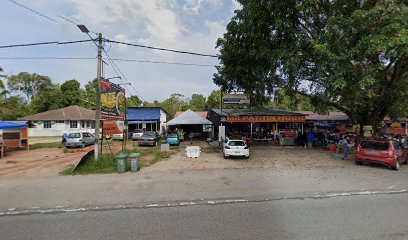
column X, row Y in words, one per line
column 98, row 99
column 98, row 90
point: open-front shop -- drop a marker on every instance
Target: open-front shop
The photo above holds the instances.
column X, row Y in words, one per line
column 266, row 126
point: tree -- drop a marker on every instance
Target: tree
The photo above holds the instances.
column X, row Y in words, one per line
column 70, row 93
column 12, row 108
column 47, row 99
column 198, row 102
column 133, row 101
column 173, row 104
column 214, row 100
column 351, row 55
column 29, row 84
column 88, row 97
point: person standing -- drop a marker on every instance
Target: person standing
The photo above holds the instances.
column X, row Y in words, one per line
column 310, row 139
column 344, row 144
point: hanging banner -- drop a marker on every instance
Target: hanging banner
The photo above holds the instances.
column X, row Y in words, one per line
column 113, row 101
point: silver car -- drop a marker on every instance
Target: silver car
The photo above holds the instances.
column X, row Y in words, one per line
column 79, row 139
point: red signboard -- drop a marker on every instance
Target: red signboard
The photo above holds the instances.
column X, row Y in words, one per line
column 111, row 127
column 243, row 119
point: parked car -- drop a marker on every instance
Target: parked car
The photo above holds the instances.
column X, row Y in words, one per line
column 117, row 136
column 173, row 139
column 79, row 139
column 235, row 147
column 380, row 151
column 137, row 134
column 149, row 138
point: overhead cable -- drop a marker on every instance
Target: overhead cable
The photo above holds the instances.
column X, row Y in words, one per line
column 159, row 48
column 115, row 59
column 44, row 43
column 34, row 11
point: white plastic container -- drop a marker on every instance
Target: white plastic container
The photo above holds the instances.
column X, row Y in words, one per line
column 193, row 151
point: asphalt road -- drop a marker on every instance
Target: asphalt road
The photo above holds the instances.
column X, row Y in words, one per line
column 378, row 216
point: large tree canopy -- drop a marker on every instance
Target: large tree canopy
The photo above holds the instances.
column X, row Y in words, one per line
column 29, row 84
column 351, row 55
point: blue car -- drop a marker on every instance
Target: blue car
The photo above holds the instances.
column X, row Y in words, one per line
column 173, row 139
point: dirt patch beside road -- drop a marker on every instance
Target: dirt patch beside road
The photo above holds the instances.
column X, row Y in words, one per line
column 261, row 157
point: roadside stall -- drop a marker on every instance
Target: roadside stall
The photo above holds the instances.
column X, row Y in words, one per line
column 190, row 122
column 12, row 136
column 263, row 126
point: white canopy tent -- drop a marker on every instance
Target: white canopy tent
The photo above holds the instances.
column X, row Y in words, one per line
column 189, row 118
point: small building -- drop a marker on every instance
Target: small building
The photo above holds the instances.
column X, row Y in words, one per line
column 148, row 118
column 57, row 122
column 193, row 122
column 12, row 135
column 258, row 124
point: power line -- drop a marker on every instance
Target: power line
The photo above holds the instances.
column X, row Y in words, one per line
column 116, row 69
column 44, row 43
column 161, row 49
column 34, row 11
column 115, row 59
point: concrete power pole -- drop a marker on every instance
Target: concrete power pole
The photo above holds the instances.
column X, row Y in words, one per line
column 98, row 99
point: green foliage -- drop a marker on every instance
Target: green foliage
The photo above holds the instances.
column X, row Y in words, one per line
column 12, row 108
column 173, row 104
column 198, row 102
column 46, row 99
column 69, row 93
column 351, row 55
column 214, row 100
column 29, row 84
column 133, row 101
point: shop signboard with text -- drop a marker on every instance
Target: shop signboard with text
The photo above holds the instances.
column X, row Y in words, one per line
column 112, row 101
column 111, row 127
column 254, row 119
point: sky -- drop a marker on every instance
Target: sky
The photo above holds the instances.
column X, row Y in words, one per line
column 189, row 25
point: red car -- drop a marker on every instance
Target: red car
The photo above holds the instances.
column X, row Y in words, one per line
column 381, row 151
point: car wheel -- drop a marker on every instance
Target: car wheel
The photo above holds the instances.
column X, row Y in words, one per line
column 225, row 157
column 359, row 163
column 396, row 167
column 246, row 157
column 83, row 145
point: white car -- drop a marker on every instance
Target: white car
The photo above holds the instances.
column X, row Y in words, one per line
column 235, row 147
column 118, row 136
column 137, row 134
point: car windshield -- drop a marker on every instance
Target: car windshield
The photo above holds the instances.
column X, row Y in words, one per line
column 172, row 136
column 149, row 134
column 375, row 145
column 236, row 143
column 138, row 131
column 74, row 135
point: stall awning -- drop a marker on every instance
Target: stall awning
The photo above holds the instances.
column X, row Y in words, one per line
column 8, row 125
column 143, row 114
column 189, row 118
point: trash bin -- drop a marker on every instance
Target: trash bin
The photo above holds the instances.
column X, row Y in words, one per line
column 134, row 160
column 121, row 162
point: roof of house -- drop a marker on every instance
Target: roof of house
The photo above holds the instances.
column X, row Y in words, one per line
column 332, row 116
column 201, row 114
column 8, row 125
column 255, row 112
column 189, row 118
column 67, row 113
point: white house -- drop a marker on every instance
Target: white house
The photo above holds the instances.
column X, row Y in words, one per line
column 60, row 121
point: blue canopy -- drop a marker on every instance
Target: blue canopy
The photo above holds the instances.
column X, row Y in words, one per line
column 143, row 114
column 8, row 125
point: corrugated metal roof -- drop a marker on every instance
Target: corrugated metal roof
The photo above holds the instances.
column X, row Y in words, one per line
column 142, row 114
column 189, row 118
column 332, row 116
column 255, row 112
column 201, row 114
column 67, row 113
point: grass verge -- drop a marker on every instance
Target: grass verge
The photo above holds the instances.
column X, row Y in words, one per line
column 107, row 162
column 46, row 145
